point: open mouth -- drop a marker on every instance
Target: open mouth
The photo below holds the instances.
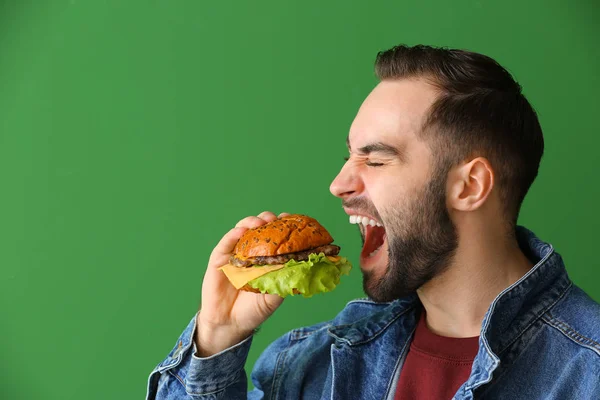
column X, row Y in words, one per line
column 373, row 233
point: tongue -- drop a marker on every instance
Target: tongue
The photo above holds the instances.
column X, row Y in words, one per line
column 374, row 237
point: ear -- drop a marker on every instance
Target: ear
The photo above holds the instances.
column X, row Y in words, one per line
column 470, row 185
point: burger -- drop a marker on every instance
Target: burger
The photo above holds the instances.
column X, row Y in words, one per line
column 291, row 255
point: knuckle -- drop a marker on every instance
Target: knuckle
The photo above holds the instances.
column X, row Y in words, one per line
column 267, row 216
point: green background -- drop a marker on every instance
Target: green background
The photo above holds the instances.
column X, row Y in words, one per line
column 133, row 134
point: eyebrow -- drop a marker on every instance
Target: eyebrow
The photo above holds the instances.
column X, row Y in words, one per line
column 380, row 147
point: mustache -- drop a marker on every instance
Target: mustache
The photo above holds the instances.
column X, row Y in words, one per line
column 362, row 204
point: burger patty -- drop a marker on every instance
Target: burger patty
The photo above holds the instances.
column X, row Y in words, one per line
column 328, row 250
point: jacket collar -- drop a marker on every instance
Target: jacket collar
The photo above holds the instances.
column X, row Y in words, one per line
column 522, row 303
column 519, row 306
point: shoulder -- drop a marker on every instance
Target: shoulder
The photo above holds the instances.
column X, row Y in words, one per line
column 360, row 311
column 356, row 313
column 577, row 318
column 352, row 312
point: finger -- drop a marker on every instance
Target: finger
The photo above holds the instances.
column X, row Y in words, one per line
column 284, row 214
column 267, row 216
column 228, row 242
column 250, row 222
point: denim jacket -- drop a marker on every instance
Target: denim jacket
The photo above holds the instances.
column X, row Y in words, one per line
column 540, row 339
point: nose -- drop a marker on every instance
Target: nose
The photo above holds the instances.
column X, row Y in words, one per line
column 346, row 184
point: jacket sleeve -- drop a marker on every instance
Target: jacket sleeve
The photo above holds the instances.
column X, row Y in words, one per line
column 182, row 375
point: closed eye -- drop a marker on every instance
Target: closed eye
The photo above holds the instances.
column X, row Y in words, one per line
column 367, row 163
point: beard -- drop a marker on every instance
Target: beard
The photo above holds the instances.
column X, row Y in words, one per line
column 422, row 240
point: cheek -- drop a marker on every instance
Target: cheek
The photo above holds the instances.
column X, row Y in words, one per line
column 389, row 191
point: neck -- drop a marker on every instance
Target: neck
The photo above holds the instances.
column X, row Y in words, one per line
column 456, row 301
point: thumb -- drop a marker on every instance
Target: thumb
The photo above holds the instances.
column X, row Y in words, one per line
column 272, row 302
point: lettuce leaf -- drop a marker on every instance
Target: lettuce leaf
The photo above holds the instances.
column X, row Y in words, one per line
column 316, row 275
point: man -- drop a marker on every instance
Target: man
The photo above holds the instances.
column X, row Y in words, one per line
column 463, row 303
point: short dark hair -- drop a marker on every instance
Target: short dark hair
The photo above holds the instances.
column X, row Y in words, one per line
column 480, row 111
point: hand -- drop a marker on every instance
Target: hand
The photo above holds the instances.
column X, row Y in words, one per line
column 227, row 315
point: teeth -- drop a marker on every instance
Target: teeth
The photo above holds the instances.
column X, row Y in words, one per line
column 359, row 219
column 375, row 251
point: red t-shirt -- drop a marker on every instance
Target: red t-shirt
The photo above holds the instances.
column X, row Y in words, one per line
column 435, row 366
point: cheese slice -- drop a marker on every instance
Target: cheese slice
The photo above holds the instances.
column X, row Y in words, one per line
column 240, row 276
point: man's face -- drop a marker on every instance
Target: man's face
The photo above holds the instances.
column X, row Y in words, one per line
column 392, row 189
